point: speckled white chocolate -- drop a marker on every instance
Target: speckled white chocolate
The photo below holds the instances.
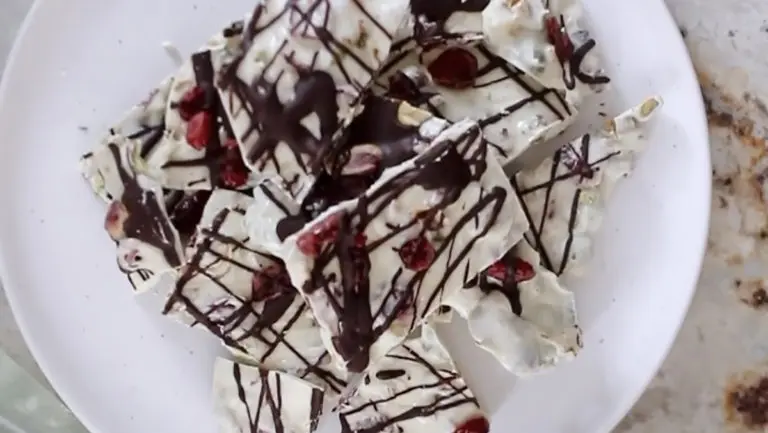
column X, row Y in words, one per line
column 215, row 291
column 285, row 46
column 142, row 262
column 543, row 334
column 248, row 399
column 515, row 30
column 514, row 110
column 484, row 238
column 414, row 389
column 566, row 195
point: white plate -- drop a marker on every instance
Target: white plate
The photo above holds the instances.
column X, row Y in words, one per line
column 124, row 369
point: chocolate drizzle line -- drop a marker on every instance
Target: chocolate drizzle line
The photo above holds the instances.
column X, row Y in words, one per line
column 572, row 65
column 491, row 63
column 357, row 333
column 271, row 399
column 458, row 396
column 577, row 165
column 274, row 309
column 145, row 220
column 431, row 16
column 314, row 91
column 215, row 152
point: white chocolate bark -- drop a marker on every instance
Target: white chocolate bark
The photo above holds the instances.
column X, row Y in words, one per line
column 167, row 147
column 243, row 295
column 459, row 81
column 249, row 399
column 298, row 81
column 518, row 311
column 374, row 268
column 384, row 135
column 547, row 39
column 148, row 245
column 414, row 388
column 565, row 197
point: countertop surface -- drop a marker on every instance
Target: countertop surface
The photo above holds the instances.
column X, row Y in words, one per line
column 716, row 376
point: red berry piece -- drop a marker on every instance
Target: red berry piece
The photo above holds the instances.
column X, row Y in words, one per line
column 233, row 175
column 199, row 130
column 269, row 282
column 311, row 242
column 498, row 271
column 455, row 68
column 114, row 220
column 417, row 254
column 523, row 270
column 478, row 424
column 361, row 240
column 191, row 102
column 558, row 36
column 230, row 144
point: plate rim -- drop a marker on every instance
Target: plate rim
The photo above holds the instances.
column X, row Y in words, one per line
column 698, row 122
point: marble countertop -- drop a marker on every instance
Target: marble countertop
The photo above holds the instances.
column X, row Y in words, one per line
column 716, row 376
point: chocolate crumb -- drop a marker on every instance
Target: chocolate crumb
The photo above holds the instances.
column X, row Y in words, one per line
column 759, row 298
column 748, row 405
column 83, row 128
column 737, row 282
column 731, row 33
column 683, row 32
column 602, row 114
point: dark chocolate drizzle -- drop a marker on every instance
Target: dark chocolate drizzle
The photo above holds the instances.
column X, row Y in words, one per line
column 145, row 219
column 275, row 121
column 459, row 395
column 353, row 310
column 390, row 374
column 215, row 153
column 378, row 125
column 572, row 65
column 271, row 399
column 275, row 307
column 490, row 63
column 509, row 287
column 431, row 16
column 577, row 164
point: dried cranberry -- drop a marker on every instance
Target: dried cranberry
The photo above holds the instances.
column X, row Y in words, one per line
column 455, row 68
column 233, row 176
column 498, row 271
column 521, row 270
column 269, row 282
column 558, row 36
column 474, row 425
column 199, row 130
column 417, row 254
column 191, row 102
column 310, row 242
column 361, row 240
column 113, row 222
